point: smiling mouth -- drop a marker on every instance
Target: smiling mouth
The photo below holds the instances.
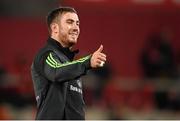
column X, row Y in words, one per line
column 74, row 34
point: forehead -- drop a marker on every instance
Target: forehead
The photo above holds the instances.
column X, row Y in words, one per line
column 70, row 15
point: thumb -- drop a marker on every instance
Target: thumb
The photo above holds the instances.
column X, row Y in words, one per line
column 100, row 49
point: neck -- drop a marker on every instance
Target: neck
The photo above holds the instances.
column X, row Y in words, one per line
column 63, row 44
column 58, row 40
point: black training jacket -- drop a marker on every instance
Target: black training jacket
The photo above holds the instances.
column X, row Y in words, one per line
column 57, row 82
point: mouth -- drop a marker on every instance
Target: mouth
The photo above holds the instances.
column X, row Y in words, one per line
column 73, row 34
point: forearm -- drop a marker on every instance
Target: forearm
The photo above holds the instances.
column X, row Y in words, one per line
column 66, row 71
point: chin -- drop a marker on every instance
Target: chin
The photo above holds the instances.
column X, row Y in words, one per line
column 74, row 41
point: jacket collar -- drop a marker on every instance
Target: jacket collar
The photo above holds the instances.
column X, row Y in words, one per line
column 70, row 54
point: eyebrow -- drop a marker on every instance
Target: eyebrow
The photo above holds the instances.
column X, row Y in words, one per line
column 73, row 20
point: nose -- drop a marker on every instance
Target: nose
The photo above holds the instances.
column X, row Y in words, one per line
column 75, row 27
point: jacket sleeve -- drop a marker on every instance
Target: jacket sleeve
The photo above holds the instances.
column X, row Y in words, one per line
column 54, row 70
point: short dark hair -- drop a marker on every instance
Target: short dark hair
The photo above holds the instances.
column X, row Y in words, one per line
column 52, row 15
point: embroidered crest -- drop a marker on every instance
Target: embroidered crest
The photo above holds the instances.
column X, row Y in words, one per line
column 79, row 83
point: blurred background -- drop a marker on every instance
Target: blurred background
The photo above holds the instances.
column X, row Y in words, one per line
column 141, row 38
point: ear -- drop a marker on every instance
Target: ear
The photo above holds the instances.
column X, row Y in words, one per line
column 54, row 28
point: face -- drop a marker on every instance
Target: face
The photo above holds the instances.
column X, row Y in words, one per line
column 68, row 29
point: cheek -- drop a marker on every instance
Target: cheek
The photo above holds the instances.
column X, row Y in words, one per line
column 63, row 28
column 79, row 31
column 62, row 31
column 66, row 29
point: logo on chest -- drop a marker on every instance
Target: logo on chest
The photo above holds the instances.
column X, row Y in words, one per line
column 75, row 88
column 79, row 83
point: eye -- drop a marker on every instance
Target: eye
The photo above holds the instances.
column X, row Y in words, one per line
column 69, row 21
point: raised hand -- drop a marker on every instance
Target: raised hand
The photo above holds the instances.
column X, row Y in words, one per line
column 98, row 58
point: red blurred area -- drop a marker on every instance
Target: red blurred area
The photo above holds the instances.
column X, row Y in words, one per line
column 125, row 4
column 122, row 26
column 122, row 33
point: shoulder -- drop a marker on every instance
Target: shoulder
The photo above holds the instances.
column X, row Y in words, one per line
column 47, row 52
column 52, row 57
column 42, row 54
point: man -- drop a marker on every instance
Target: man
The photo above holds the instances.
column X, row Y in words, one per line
column 56, row 77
